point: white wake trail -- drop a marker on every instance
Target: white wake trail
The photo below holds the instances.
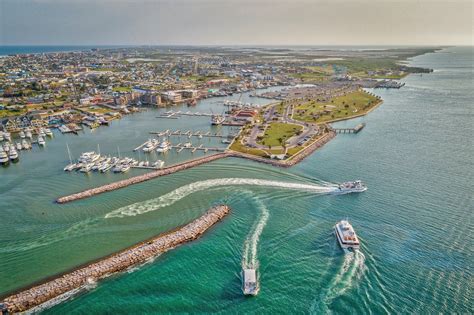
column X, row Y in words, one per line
column 351, row 270
column 183, row 191
column 251, row 243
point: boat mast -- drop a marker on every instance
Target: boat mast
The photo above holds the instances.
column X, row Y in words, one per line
column 69, row 153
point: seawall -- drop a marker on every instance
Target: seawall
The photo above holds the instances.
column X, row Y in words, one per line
column 130, row 257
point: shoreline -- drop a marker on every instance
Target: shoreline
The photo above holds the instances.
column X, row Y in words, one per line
column 56, row 286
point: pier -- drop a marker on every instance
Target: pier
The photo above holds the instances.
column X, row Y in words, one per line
column 189, row 133
column 138, row 254
column 176, row 114
column 356, row 129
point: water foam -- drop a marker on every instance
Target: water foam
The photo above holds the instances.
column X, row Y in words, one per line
column 251, row 243
column 350, row 271
column 183, row 191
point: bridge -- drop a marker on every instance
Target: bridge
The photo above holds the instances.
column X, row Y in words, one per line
column 356, row 129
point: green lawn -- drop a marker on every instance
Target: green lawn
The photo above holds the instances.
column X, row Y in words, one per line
column 237, row 146
column 345, row 106
column 122, row 89
column 277, row 133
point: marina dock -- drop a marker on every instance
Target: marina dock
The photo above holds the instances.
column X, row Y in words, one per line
column 80, row 278
column 356, row 129
column 189, row 133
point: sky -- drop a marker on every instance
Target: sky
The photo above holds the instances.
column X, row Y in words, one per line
column 236, row 22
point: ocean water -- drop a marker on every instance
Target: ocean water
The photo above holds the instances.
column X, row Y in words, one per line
column 26, row 49
column 415, row 220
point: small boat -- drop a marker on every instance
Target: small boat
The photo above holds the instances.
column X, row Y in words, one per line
column 159, row 164
column 41, row 141
column 28, row 134
column 6, row 147
column 349, row 187
column 48, row 132
column 86, row 168
column 22, row 134
column 164, row 146
column 250, row 282
column 4, row 159
column 217, row 120
column 346, row 236
column 125, row 168
column 13, row 154
column 188, row 145
column 42, row 133
column 25, row 144
column 19, row 147
column 7, row 136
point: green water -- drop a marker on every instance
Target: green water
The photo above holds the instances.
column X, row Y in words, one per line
column 415, row 221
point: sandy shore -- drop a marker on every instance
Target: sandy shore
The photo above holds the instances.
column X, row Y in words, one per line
column 133, row 256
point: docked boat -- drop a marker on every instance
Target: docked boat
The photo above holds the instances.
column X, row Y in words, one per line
column 7, row 136
column 22, row 134
column 159, row 164
column 41, row 141
column 42, row 133
column 1, row 136
column 349, row 187
column 28, row 134
column 4, row 159
column 86, row 168
column 150, row 146
column 217, row 119
column 164, row 146
column 346, row 236
column 13, row 154
column 25, row 144
column 19, row 147
column 6, row 147
column 250, row 282
column 48, row 132
column 188, row 145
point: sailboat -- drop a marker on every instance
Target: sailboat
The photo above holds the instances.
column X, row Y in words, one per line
column 71, row 166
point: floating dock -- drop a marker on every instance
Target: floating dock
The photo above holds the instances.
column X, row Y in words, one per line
column 138, row 254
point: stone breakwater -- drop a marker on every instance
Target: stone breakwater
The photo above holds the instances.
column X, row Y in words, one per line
column 135, row 255
column 141, row 178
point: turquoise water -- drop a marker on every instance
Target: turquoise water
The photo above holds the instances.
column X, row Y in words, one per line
column 415, row 221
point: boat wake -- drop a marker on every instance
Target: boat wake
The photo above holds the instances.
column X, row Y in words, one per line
column 183, row 191
column 349, row 273
column 249, row 260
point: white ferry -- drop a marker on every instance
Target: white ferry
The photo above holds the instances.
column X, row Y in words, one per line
column 250, row 282
column 346, row 235
column 349, row 187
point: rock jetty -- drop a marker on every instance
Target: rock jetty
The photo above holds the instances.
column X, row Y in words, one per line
column 141, row 178
column 135, row 255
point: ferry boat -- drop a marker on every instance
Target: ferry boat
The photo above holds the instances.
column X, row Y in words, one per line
column 4, row 159
column 350, row 187
column 217, row 119
column 346, row 236
column 164, row 146
column 250, row 282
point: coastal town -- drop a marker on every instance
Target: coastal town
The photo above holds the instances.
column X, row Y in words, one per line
column 70, row 91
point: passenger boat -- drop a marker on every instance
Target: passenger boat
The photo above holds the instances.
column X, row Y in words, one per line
column 346, row 235
column 4, row 159
column 250, row 282
column 349, row 187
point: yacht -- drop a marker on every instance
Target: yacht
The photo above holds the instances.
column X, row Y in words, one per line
column 41, row 141
column 125, row 168
column 86, row 167
column 217, row 119
column 1, row 136
column 42, row 133
column 25, row 144
column 22, row 134
column 19, row 147
column 4, row 160
column 346, row 235
column 164, row 146
column 250, row 282
column 350, row 187
column 7, row 136
column 13, row 154
column 159, row 164
column 28, row 134
column 48, row 132
column 89, row 157
column 188, row 145
column 6, row 146
column 151, row 144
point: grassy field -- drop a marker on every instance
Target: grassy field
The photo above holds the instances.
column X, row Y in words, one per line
column 277, row 133
column 339, row 107
column 237, row 146
column 122, row 89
